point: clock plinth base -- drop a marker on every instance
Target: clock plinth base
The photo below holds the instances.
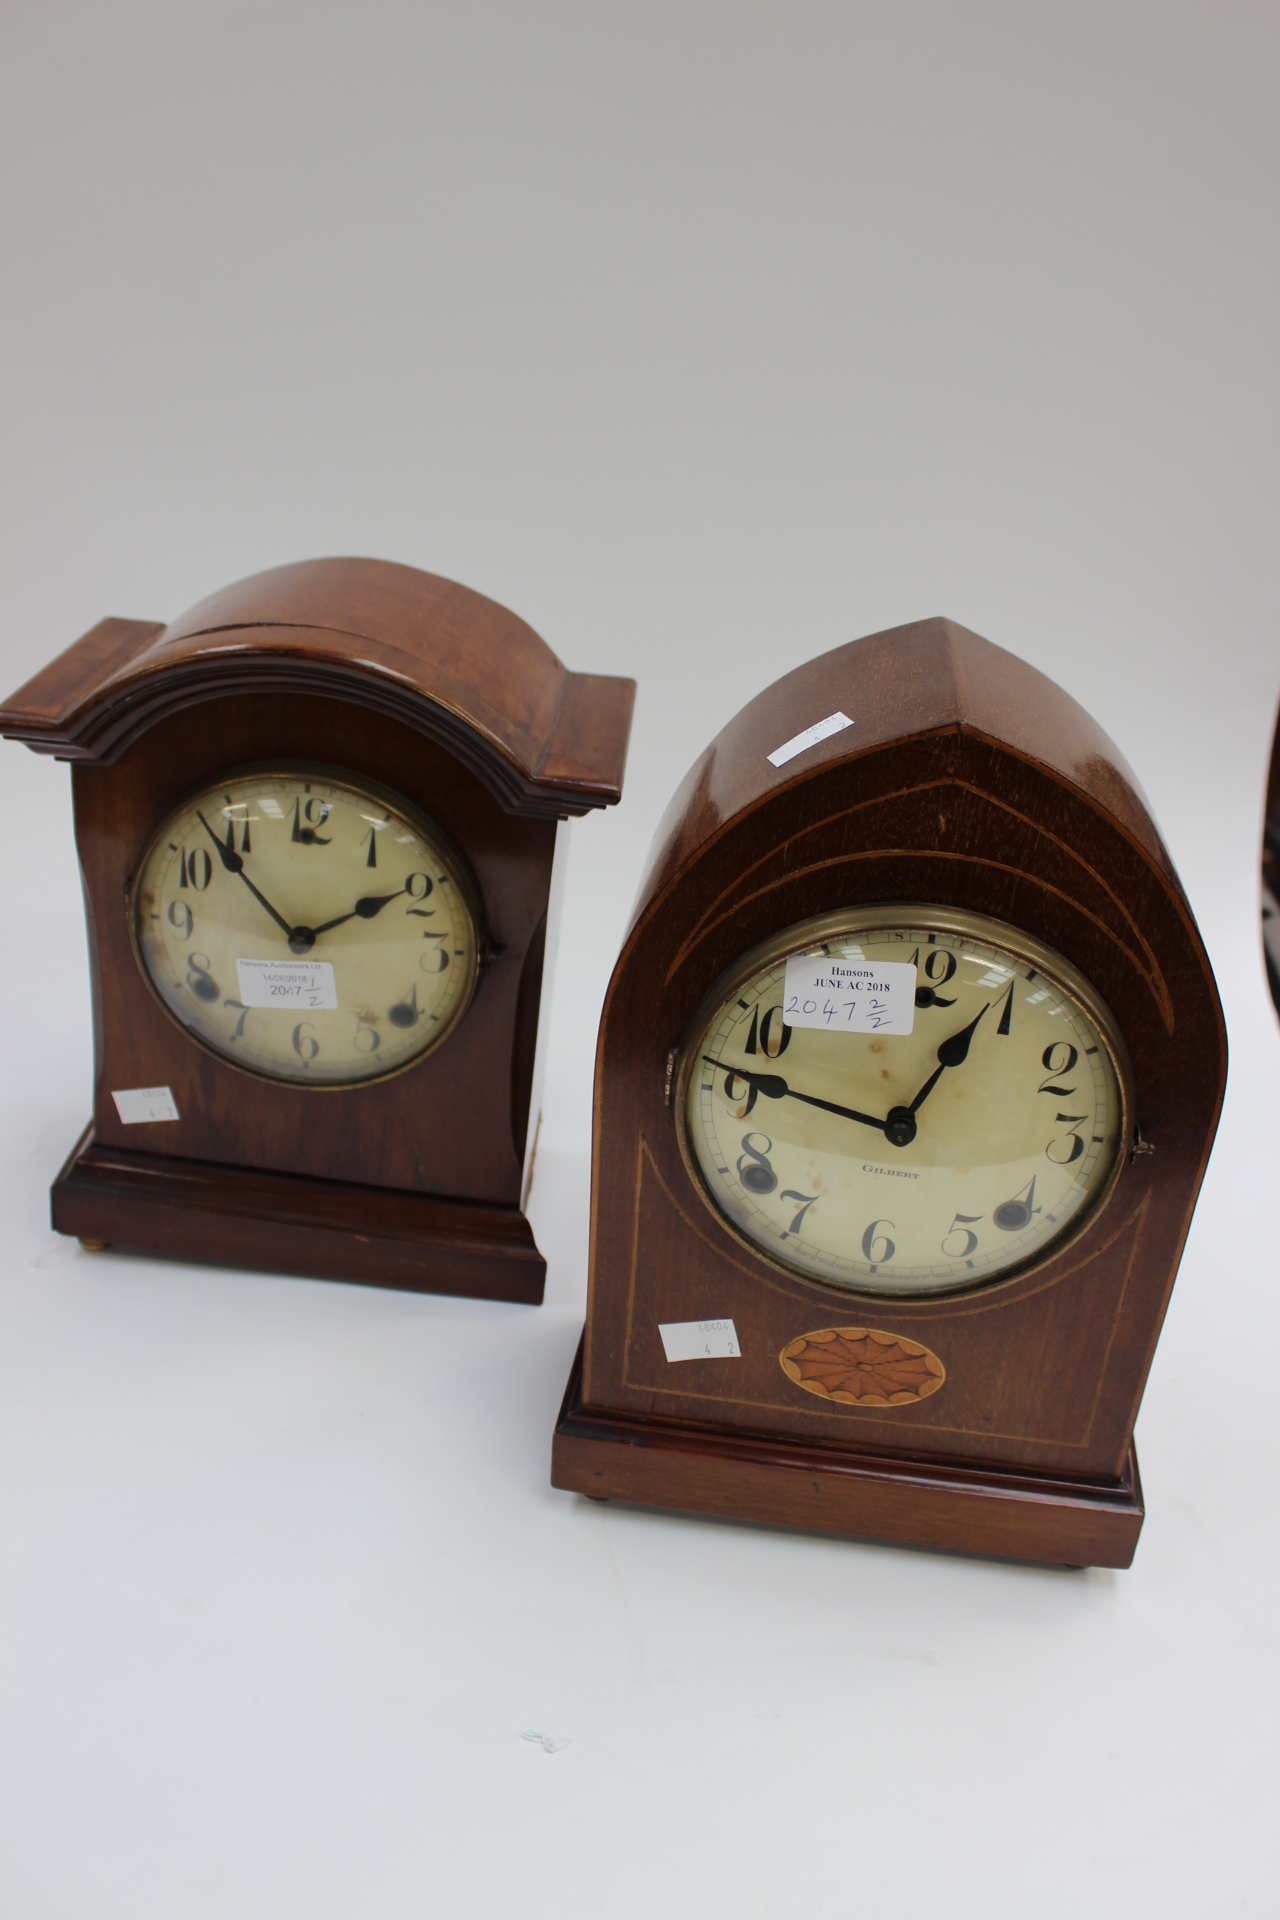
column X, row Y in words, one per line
column 790, row 1483
column 285, row 1223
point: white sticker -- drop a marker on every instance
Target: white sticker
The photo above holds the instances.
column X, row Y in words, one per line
column 821, row 730
column 287, row 983
column 136, row 1104
column 549, row 1742
column 846, row 994
column 700, row 1340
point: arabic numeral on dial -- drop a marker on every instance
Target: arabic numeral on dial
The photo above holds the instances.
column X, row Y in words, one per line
column 232, row 822
column 768, row 1036
column 418, row 886
column 179, row 917
column 1011, row 1216
column 808, row 1200
column 305, row 1044
column 405, row 1013
column 196, row 870
column 1056, row 1065
column 739, row 1112
column 961, row 1228
column 199, row 979
column 769, row 1039
column 1071, row 1142
column 937, row 976
column 308, row 817
column 367, row 1038
column 238, row 1006
column 754, row 1170
column 435, row 959
column 874, row 1238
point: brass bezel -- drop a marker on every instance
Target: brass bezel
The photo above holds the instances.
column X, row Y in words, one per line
column 885, row 918
column 464, row 883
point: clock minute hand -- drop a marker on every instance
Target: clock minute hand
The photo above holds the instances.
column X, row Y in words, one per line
column 774, row 1087
column 234, row 864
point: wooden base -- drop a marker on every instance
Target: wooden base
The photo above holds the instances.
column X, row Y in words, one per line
column 282, row 1223
column 789, row 1483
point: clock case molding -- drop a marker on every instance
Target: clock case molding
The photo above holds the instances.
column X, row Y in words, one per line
column 371, row 670
column 967, row 780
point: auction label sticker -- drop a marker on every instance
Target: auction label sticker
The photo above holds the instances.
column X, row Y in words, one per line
column 138, row 1104
column 841, row 994
column 288, row 983
column 800, row 742
column 700, row 1340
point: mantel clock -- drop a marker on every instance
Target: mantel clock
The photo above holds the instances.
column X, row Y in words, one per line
column 907, row 1078
column 317, row 822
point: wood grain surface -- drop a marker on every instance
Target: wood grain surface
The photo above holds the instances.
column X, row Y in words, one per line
column 427, row 652
column 966, row 780
column 280, row 1223
column 694, row 1468
column 365, row 671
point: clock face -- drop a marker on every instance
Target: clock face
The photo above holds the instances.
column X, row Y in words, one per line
column 307, row 928
column 906, row 1162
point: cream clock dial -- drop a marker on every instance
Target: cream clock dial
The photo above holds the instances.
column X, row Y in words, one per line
column 307, row 928
column 916, row 1162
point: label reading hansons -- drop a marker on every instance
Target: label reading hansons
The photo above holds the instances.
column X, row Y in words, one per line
column 843, row 994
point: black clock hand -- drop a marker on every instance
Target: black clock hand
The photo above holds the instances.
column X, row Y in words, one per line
column 364, row 909
column 774, row 1087
column 899, row 1127
column 952, row 1053
column 234, row 864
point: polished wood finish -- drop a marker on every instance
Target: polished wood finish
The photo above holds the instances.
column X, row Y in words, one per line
column 452, row 1124
column 922, row 1503
column 147, row 1203
column 967, row 780
column 440, row 659
column 376, row 672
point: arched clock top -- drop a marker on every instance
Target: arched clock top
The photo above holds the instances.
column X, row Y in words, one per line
column 928, row 678
column 434, row 655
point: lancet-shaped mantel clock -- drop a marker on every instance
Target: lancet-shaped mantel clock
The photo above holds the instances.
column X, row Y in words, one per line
column 907, row 1078
column 317, row 823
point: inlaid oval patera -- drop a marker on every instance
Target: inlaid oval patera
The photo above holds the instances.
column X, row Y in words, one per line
column 860, row 1367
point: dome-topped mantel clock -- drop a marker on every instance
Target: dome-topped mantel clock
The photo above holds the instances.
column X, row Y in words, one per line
column 317, row 824
column 907, row 1078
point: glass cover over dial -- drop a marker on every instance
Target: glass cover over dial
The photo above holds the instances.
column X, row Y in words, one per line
column 907, row 1163
column 308, row 928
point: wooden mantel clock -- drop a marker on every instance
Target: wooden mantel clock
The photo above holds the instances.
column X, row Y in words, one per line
column 317, row 824
column 907, row 1078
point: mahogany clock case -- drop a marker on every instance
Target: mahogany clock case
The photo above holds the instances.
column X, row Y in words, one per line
column 969, row 780
column 417, row 686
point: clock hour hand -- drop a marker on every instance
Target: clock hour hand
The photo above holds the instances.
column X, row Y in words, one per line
column 234, row 864
column 953, row 1052
column 364, row 909
column 774, row 1087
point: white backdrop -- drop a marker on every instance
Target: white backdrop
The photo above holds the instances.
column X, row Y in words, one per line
column 706, row 337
